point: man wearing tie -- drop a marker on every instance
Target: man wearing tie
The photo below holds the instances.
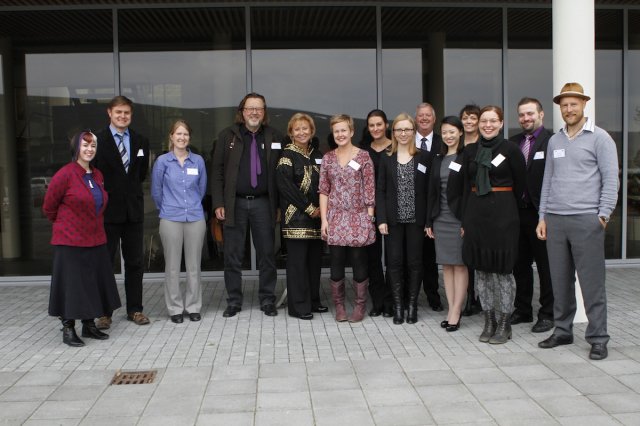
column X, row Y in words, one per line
column 429, row 141
column 533, row 141
column 123, row 159
column 244, row 194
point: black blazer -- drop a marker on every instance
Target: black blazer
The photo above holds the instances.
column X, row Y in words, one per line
column 126, row 200
column 387, row 188
column 535, row 168
column 454, row 190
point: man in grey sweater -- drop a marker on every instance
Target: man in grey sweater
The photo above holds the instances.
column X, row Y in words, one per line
column 579, row 193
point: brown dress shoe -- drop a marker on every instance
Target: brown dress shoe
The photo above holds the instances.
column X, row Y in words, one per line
column 103, row 323
column 138, row 318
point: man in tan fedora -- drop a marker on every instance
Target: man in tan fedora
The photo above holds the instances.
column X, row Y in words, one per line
column 579, row 193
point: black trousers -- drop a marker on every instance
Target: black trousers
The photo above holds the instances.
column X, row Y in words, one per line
column 530, row 248
column 129, row 235
column 404, row 239
column 378, row 287
column 304, row 259
column 430, row 271
column 358, row 257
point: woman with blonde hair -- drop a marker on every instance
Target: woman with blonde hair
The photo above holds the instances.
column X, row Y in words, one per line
column 401, row 205
column 178, row 185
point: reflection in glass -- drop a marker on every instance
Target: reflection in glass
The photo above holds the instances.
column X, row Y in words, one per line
column 633, row 162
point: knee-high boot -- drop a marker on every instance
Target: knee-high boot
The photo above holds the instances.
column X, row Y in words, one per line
column 337, row 293
column 503, row 331
column 415, row 278
column 360, row 308
column 69, row 336
column 398, row 312
column 490, row 325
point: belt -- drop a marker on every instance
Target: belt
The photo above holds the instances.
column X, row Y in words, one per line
column 249, row 197
column 496, row 189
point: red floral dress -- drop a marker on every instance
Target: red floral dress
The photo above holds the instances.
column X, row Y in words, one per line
column 350, row 193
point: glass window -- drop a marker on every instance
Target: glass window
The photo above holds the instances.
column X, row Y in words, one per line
column 633, row 164
column 63, row 74
column 188, row 64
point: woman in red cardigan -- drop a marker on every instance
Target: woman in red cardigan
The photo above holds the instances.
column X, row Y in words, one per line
column 82, row 282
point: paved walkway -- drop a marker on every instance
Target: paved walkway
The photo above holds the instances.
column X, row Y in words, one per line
column 258, row 370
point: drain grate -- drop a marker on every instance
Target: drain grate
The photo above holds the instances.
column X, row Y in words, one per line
column 133, row 377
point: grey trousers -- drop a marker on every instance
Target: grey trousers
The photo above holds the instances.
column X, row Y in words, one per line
column 174, row 236
column 576, row 243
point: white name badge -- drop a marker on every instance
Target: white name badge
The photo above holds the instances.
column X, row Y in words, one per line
column 318, row 160
column 498, row 160
column 558, row 153
column 538, row 155
column 455, row 166
column 140, row 153
column 276, row 145
column 354, row 165
column 422, row 168
column 192, row 171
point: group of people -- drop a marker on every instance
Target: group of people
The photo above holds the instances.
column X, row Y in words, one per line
column 466, row 199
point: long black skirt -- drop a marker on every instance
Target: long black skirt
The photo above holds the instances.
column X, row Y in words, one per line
column 82, row 283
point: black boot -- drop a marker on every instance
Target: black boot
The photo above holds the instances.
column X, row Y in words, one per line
column 398, row 312
column 490, row 326
column 503, row 332
column 90, row 330
column 415, row 278
column 69, row 336
column 468, row 307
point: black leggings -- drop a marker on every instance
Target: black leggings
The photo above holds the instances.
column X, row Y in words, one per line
column 358, row 257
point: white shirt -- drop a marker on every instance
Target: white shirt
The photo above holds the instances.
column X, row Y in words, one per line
column 429, row 140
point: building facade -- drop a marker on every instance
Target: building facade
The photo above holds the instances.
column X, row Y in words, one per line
column 62, row 61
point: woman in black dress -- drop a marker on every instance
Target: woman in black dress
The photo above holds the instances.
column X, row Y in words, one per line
column 494, row 179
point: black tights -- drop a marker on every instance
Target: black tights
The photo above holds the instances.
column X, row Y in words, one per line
column 358, row 257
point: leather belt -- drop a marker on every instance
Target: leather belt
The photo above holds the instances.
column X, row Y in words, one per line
column 496, row 189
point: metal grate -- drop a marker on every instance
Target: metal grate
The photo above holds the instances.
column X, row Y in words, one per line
column 133, row 377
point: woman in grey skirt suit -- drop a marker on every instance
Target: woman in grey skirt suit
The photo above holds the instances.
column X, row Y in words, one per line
column 444, row 218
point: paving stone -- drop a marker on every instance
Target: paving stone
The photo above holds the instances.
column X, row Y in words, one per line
column 392, row 396
column 283, row 417
column 496, row 391
column 55, row 410
column 232, row 387
column 225, row 419
column 342, row 416
column 567, row 406
column 548, row 388
column 228, row 403
column 598, row 385
column 617, row 403
column 516, row 411
column 406, row 415
column 464, row 412
column 339, row 399
column 27, row 393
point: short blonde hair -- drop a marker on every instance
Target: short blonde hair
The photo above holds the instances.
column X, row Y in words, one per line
column 342, row 118
column 403, row 116
column 300, row 116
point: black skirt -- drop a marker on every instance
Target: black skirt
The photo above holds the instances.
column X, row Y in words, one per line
column 82, row 283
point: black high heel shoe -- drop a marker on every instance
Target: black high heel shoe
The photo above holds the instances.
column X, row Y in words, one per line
column 444, row 324
column 454, row 327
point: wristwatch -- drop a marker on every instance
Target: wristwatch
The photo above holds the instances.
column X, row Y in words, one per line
column 373, row 219
column 604, row 219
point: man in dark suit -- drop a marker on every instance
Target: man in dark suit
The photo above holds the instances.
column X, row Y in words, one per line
column 244, row 194
column 533, row 143
column 429, row 141
column 123, row 159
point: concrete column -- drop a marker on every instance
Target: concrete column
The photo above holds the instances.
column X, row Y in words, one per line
column 574, row 60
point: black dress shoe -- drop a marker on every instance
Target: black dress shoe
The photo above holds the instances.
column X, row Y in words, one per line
column 387, row 312
column 375, row 312
column 518, row 318
column 542, row 325
column 269, row 310
column 598, row 351
column 453, row 327
column 177, row 319
column 437, row 308
column 554, row 340
column 231, row 311
column 91, row 331
column 320, row 309
column 195, row 316
column 306, row 316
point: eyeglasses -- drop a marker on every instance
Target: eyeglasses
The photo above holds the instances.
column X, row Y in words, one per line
column 253, row 109
column 402, row 131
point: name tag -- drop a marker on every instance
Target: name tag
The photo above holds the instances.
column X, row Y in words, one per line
column 422, row 168
column 140, row 153
column 276, row 145
column 455, row 166
column 192, row 171
column 498, row 160
column 558, row 153
column 318, row 160
column 539, row 155
column 354, row 165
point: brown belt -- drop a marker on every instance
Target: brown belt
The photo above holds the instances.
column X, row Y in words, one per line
column 496, row 189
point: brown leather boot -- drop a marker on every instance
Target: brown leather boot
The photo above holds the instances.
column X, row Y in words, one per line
column 337, row 293
column 360, row 308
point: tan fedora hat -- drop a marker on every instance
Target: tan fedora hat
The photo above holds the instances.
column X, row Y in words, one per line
column 571, row 89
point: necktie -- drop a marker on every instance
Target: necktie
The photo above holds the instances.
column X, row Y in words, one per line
column 423, row 145
column 526, row 147
column 123, row 152
column 256, row 169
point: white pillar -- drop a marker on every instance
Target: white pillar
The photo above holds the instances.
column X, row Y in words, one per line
column 574, row 60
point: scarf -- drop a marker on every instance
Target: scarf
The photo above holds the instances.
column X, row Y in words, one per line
column 483, row 160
